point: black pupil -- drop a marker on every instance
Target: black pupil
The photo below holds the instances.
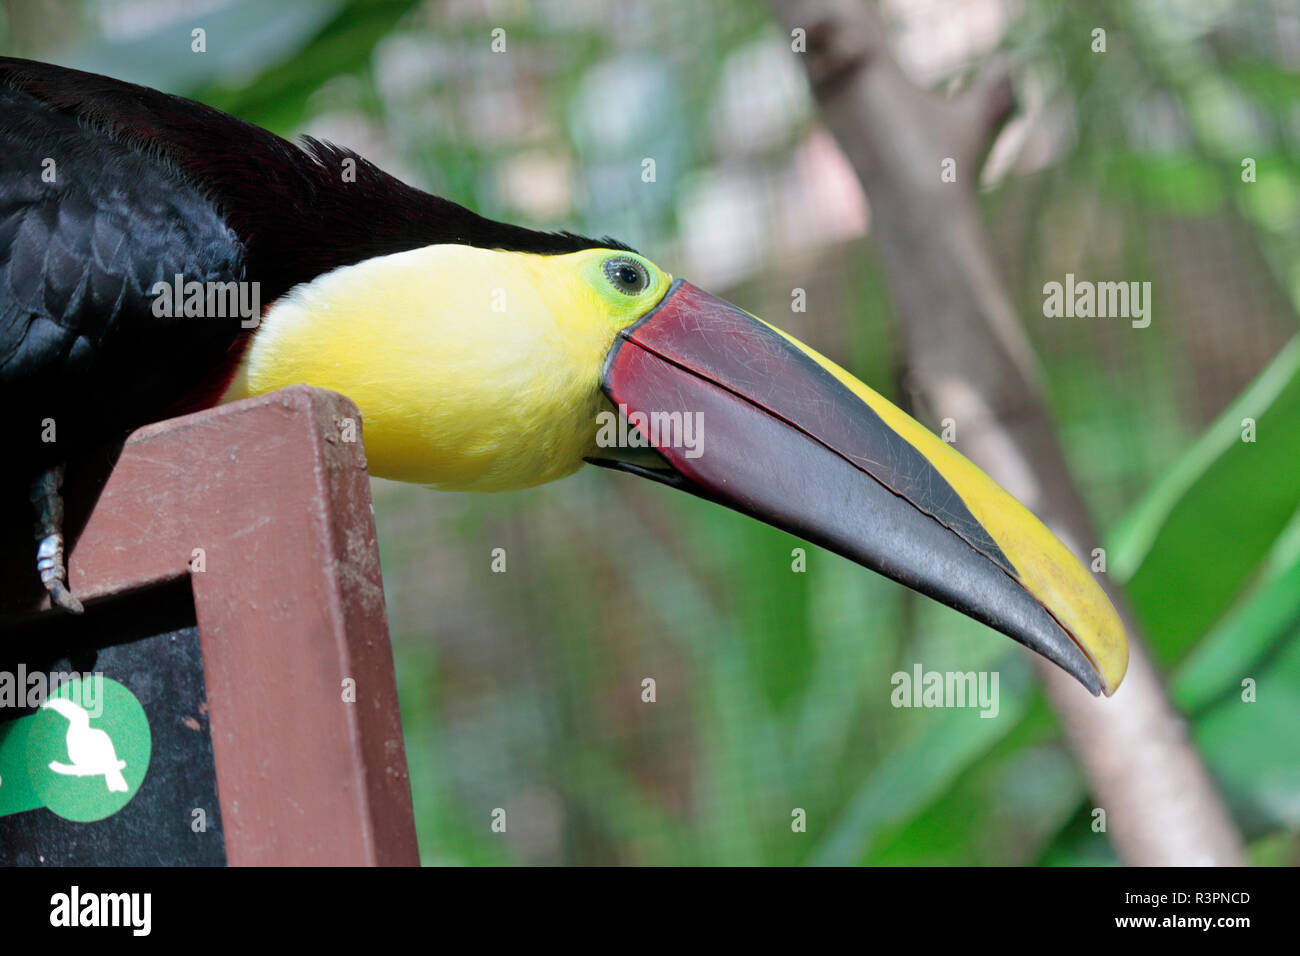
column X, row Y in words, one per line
column 628, row 276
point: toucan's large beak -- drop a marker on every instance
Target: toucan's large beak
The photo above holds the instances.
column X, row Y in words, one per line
column 784, row 435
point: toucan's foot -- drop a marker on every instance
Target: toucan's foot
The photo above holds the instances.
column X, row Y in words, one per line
column 48, row 501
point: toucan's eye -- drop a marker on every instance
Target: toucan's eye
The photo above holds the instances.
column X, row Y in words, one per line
column 627, row 275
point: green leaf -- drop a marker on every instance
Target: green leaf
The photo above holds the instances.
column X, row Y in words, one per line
column 1252, row 746
column 277, row 98
column 921, row 768
column 1180, row 184
column 1194, row 541
column 999, row 812
column 1258, row 625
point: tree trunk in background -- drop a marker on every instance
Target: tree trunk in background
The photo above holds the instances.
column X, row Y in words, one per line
column 971, row 360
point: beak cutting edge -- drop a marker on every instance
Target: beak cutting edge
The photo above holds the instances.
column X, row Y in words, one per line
column 791, row 439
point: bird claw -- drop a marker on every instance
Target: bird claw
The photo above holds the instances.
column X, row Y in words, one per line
column 54, row 576
column 49, row 536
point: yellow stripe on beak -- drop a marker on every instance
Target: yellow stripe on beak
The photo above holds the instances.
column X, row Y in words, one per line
column 1044, row 566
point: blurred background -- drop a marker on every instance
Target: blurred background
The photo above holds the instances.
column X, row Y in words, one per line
column 522, row 690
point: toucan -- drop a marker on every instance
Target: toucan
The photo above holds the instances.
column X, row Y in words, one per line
column 483, row 356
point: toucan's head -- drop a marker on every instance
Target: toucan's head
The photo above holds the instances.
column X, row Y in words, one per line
column 67, row 708
column 487, row 369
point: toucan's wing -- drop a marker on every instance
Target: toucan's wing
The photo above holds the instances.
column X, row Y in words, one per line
column 88, row 226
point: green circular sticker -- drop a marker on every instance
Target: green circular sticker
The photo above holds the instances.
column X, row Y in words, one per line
column 88, row 749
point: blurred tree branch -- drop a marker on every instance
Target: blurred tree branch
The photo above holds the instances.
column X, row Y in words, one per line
column 969, row 354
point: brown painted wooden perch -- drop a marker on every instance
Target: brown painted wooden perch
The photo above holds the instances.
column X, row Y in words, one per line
column 289, row 607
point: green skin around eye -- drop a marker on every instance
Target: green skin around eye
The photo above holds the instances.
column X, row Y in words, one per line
column 626, row 307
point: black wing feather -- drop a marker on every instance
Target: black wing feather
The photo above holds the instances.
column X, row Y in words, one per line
column 82, row 243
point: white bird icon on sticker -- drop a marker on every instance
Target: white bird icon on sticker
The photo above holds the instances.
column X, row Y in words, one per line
column 90, row 750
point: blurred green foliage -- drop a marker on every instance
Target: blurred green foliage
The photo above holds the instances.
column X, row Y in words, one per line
column 523, row 690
